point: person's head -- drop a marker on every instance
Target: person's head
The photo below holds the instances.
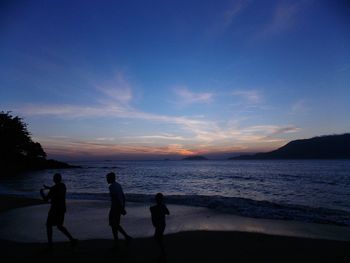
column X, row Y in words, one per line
column 159, row 198
column 57, row 178
column 110, row 177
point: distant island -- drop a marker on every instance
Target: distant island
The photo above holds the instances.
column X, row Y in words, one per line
column 18, row 152
column 322, row 147
column 195, row 158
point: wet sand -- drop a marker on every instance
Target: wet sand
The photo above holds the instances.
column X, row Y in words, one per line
column 189, row 246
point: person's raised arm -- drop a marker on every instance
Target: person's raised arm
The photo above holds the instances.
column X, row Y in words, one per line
column 44, row 197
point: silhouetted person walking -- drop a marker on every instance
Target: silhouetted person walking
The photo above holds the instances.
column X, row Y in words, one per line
column 117, row 209
column 57, row 195
column 158, row 213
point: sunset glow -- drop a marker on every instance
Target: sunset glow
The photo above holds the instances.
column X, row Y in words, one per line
column 159, row 79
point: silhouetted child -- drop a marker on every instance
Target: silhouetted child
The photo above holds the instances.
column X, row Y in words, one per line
column 158, row 213
column 57, row 195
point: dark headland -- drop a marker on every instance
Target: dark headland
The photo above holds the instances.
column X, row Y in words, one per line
column 18, row 152
column 322, row 147
column 195, row 158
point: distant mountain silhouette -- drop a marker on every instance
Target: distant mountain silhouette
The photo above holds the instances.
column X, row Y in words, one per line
column 195, row 158
column 323, row 147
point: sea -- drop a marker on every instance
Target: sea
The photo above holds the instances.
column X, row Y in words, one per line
column 302, row 190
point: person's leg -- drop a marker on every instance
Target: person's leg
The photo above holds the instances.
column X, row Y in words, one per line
column 49, row 234
column 115, row 236
column 115, row 232
column 65, row 232
column 121, row 230
column 49, row 224
column 116, row 221
column 158, row 236
column 113, row 222
column 60, row 227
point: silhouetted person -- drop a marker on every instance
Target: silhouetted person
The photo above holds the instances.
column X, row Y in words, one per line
column 57, row 195
column 158, row 213
column 117, row 209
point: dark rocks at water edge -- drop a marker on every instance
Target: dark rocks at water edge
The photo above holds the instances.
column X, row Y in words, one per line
column 323, row 147
column 53, row 164
column 25, row 164
column 195, row 158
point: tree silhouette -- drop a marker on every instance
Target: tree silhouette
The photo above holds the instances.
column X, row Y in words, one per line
column 15, row 139
column 18, row 152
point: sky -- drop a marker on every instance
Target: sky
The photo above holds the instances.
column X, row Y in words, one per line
column 166, row 79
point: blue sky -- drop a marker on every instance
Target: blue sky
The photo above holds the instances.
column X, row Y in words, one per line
column 147, row 79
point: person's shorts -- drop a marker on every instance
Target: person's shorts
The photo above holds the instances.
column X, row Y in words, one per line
column 55, row 218
column 114, row 217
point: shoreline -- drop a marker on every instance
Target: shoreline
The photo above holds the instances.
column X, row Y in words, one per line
column 238, row 206
column 188, row 246
column 87, row 219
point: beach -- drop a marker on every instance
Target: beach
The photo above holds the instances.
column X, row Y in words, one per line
column 186, row 246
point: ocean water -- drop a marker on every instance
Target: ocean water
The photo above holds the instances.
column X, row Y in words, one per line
column 302, row 190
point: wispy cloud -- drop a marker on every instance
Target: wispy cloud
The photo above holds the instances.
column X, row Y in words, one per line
column 107, row 110
column 300, row 106
column 232, row 11
column 160, row 137
column 105, row 139
column 249, row 96
column 75, row 147
column 284, row 17
column 206, row 138
column 227, row 16
column 269, row 130
column 192, row 135
column 188, row 97
column 251, row 133
column 118, row 90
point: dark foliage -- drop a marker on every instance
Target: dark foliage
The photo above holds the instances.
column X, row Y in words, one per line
column 18, row 152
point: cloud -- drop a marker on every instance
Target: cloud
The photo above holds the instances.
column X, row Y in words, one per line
column 205, row 139
column 193, row 125
column 269, row 130
column 249, row 96
column 300, row 106
column 105, row 139
column 161, row 137
column 235, row 8
column 250, row 133
column 188, row 97
column 287, row 129
column 70, row 111
column 117, row 90
column 284, row 17
column 195, row 134
column 201, row 132
column 226, row 18
column 76, row 147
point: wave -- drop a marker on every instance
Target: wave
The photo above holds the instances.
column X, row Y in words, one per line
column 104, row 167
column 241, row 206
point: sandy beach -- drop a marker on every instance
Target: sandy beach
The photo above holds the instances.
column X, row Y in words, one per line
column 189, row 246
